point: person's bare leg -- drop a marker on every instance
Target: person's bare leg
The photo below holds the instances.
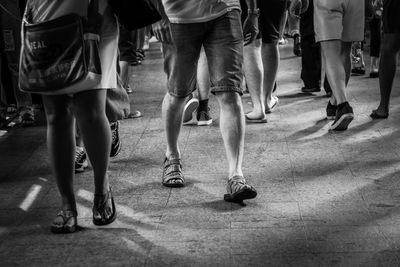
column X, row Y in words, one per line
column 172, row 109
column 203, row 77
column 387, row 70
column 61, row 146
column 254, row 71
column 232, row 127
column 89, row 108
column 270, row 58
column 337, row 66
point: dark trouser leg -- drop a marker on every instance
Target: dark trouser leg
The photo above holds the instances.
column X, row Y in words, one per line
column 310, row 62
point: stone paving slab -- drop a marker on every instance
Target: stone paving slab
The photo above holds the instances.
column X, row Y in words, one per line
column 325, row 199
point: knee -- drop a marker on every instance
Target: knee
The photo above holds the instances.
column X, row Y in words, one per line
column 59, row 116
column 175, row 101
column 229, row 101
column 91, row 116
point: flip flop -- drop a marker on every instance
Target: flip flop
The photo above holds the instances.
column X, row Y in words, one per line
column 100, row 204
column 272, row 108
column 250, row 120
column 69, row 224
column 376, row 115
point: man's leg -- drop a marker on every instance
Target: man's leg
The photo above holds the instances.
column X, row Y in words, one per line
column 172, row 110
column 204, row 87
column 254, row 71
column 232, row 129
column 224, row 50
column 272, row 13
column 270, row 58
column 310, row 65
column 338, row 67
column 180, row 65
column 387, row 71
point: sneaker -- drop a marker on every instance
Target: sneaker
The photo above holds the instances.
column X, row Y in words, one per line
column 344, row 116
column 27, row 116
column 116, row 142
column 331, row 111
column 190, row 107
column 310, row 89
column 81, row 161
column 238, row 190
column 204, row 118
column 128, row 90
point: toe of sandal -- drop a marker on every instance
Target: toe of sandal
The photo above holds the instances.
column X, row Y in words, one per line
column 67, row 224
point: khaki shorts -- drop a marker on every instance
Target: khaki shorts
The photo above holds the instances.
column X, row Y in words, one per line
column 339, row 20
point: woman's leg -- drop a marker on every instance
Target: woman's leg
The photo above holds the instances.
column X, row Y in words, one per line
column 61, row 145
column 89, row 109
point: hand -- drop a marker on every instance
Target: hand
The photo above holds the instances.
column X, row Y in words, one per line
column 162, row 30
column 250, row 28
column 298, row 7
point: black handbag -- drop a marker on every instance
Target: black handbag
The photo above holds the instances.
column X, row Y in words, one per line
column 135, row 14
column 61, row 56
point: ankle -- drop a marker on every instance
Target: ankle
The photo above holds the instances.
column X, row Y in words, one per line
column 203, row 105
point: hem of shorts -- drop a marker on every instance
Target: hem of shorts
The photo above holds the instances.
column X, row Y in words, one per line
column 318, row 40
column 180, row 96
column 226, row 89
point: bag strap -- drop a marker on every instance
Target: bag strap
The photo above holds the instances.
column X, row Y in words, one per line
column 94, row 20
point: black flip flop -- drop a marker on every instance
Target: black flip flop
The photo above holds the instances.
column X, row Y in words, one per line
column 101, row 205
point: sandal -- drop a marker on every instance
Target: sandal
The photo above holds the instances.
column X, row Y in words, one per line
column 100, row 205
column 239, row 190
column 376, row 115
column 255, row 120
column 275, row 102
column 69, row 222
column 172, row 174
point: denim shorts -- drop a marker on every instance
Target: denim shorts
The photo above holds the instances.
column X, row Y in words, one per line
column 222, row 39
column 339, row 20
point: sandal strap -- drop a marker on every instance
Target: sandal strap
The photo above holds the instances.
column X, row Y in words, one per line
column 67, row 214
column 102, row 199
column 236, row 183
column 172, row 170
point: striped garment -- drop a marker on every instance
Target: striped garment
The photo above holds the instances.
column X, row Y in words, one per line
column 195, row 11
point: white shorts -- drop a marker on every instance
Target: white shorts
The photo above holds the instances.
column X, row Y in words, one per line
column 339, row 20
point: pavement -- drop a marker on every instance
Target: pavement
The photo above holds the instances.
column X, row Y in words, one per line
column 325, row 199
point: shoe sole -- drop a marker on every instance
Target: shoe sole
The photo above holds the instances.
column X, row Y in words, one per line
column 343, row 123
column 82, row 167
column 204, row 123
column 190, row 107
column 311, row 91
column 63, row 229
column 330, row 117
column 241, row 195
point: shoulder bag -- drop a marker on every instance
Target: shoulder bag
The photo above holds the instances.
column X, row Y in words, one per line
column 61, row 56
